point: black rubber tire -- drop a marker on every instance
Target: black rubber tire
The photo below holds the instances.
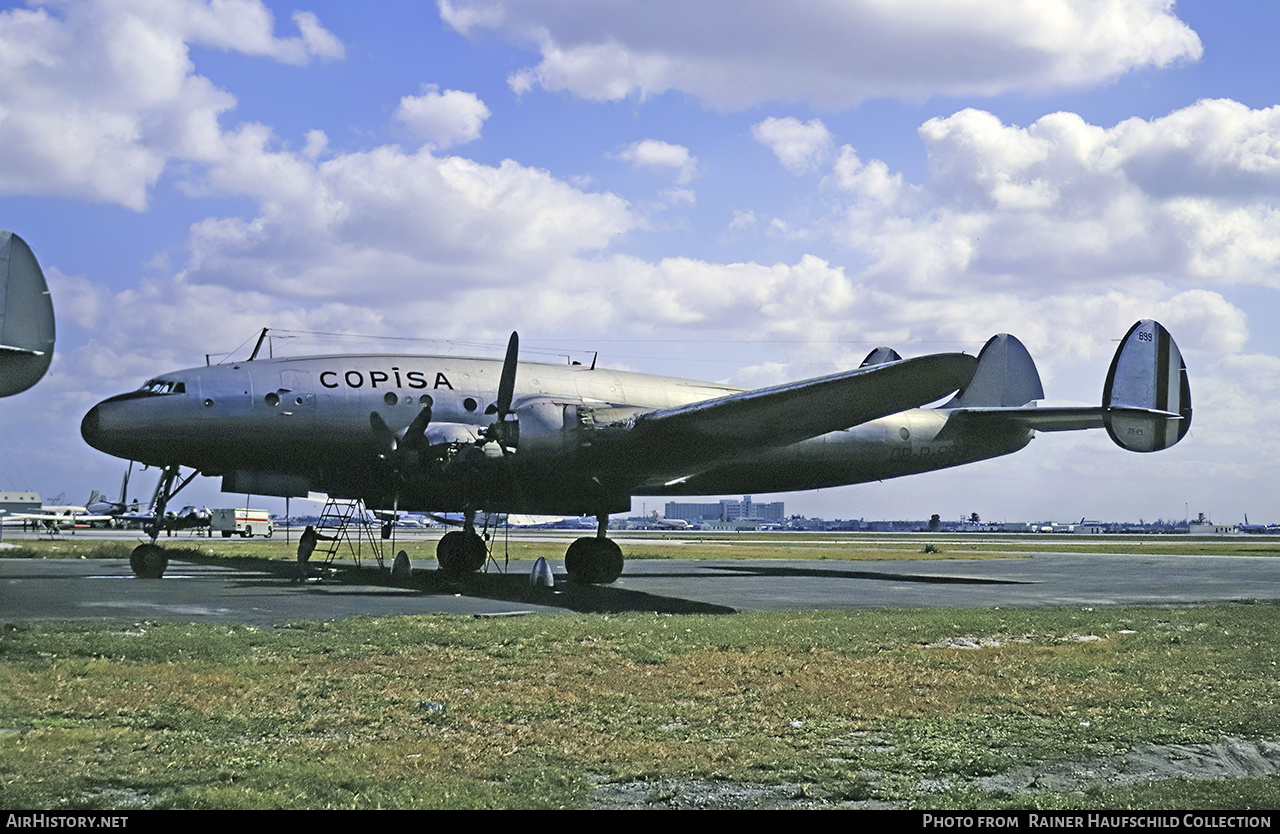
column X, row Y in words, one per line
column 148, row 561
column 593, row 561
column 460, row 553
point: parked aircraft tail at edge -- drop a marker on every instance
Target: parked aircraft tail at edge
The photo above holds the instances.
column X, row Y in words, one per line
column 26, row 317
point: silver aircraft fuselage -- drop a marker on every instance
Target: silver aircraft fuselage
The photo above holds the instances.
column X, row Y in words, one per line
column 296, row 425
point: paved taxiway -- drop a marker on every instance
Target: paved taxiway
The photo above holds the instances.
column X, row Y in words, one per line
column 43, row 589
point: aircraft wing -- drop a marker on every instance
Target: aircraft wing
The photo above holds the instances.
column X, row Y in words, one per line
column 62, row 519
column 783, row 414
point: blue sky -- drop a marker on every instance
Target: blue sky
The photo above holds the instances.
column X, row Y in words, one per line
column 749, row 192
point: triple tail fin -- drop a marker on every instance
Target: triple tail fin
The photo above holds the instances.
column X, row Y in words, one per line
column 1146, row 401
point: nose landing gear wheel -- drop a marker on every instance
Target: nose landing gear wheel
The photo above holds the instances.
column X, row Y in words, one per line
column 148, row 561
column 460, row 552
column 593, row 561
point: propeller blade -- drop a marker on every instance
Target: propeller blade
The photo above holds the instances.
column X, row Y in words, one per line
column 386, row 438
column 415, row 436
column 507, row 384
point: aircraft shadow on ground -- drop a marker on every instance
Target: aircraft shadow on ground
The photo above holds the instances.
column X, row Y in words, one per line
column 510, row 587
column 829, row 573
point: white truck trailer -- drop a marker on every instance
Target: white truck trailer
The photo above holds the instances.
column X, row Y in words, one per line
column 243, row 521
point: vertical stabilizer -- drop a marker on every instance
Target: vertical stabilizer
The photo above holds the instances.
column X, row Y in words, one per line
column 1147, row 396
column 1006, row 377
column 26, row 317
column 880, row 356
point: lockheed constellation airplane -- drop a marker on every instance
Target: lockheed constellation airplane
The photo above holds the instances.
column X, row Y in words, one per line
column 447, row 434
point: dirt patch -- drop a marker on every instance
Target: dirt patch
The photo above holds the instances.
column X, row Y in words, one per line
column 1230, row 758
column 996, row 640
column 680, row 795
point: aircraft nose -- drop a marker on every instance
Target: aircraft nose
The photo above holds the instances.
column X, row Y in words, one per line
column 90, row 429
column 114, row 427
column 138, row 425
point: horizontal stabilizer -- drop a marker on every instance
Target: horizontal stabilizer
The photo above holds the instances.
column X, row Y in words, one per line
column 1147, row 396
column 1026, row 417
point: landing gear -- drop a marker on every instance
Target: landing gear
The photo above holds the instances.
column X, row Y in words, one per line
column 594, row 560
column 148, row 561
column 462, row 551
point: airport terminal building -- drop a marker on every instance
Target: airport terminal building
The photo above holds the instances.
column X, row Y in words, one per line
column 728, row 509
column 20, row 502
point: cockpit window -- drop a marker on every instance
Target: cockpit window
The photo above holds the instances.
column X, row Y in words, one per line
column 164, row 386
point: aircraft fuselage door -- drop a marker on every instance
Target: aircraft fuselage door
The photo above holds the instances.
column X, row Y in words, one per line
column 295, row 399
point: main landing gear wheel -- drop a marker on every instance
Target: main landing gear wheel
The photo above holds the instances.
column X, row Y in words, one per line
column 148, row 561
column 461, row 552
column 593, row 561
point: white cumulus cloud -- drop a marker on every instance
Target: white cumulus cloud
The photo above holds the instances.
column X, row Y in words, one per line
column 733, row 56
column 443, row 119
column 800, row 146
column 658, row 155
column 385, row 219
column 1183, row 199
column 100, row 95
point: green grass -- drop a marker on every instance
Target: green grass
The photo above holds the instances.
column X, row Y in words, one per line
column 694, row 545
column 68, row 549
column 856, row 704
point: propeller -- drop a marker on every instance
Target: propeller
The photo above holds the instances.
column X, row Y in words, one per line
column 390, row 446
column 394, row 450
column 505, row 429
column 506, row 432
